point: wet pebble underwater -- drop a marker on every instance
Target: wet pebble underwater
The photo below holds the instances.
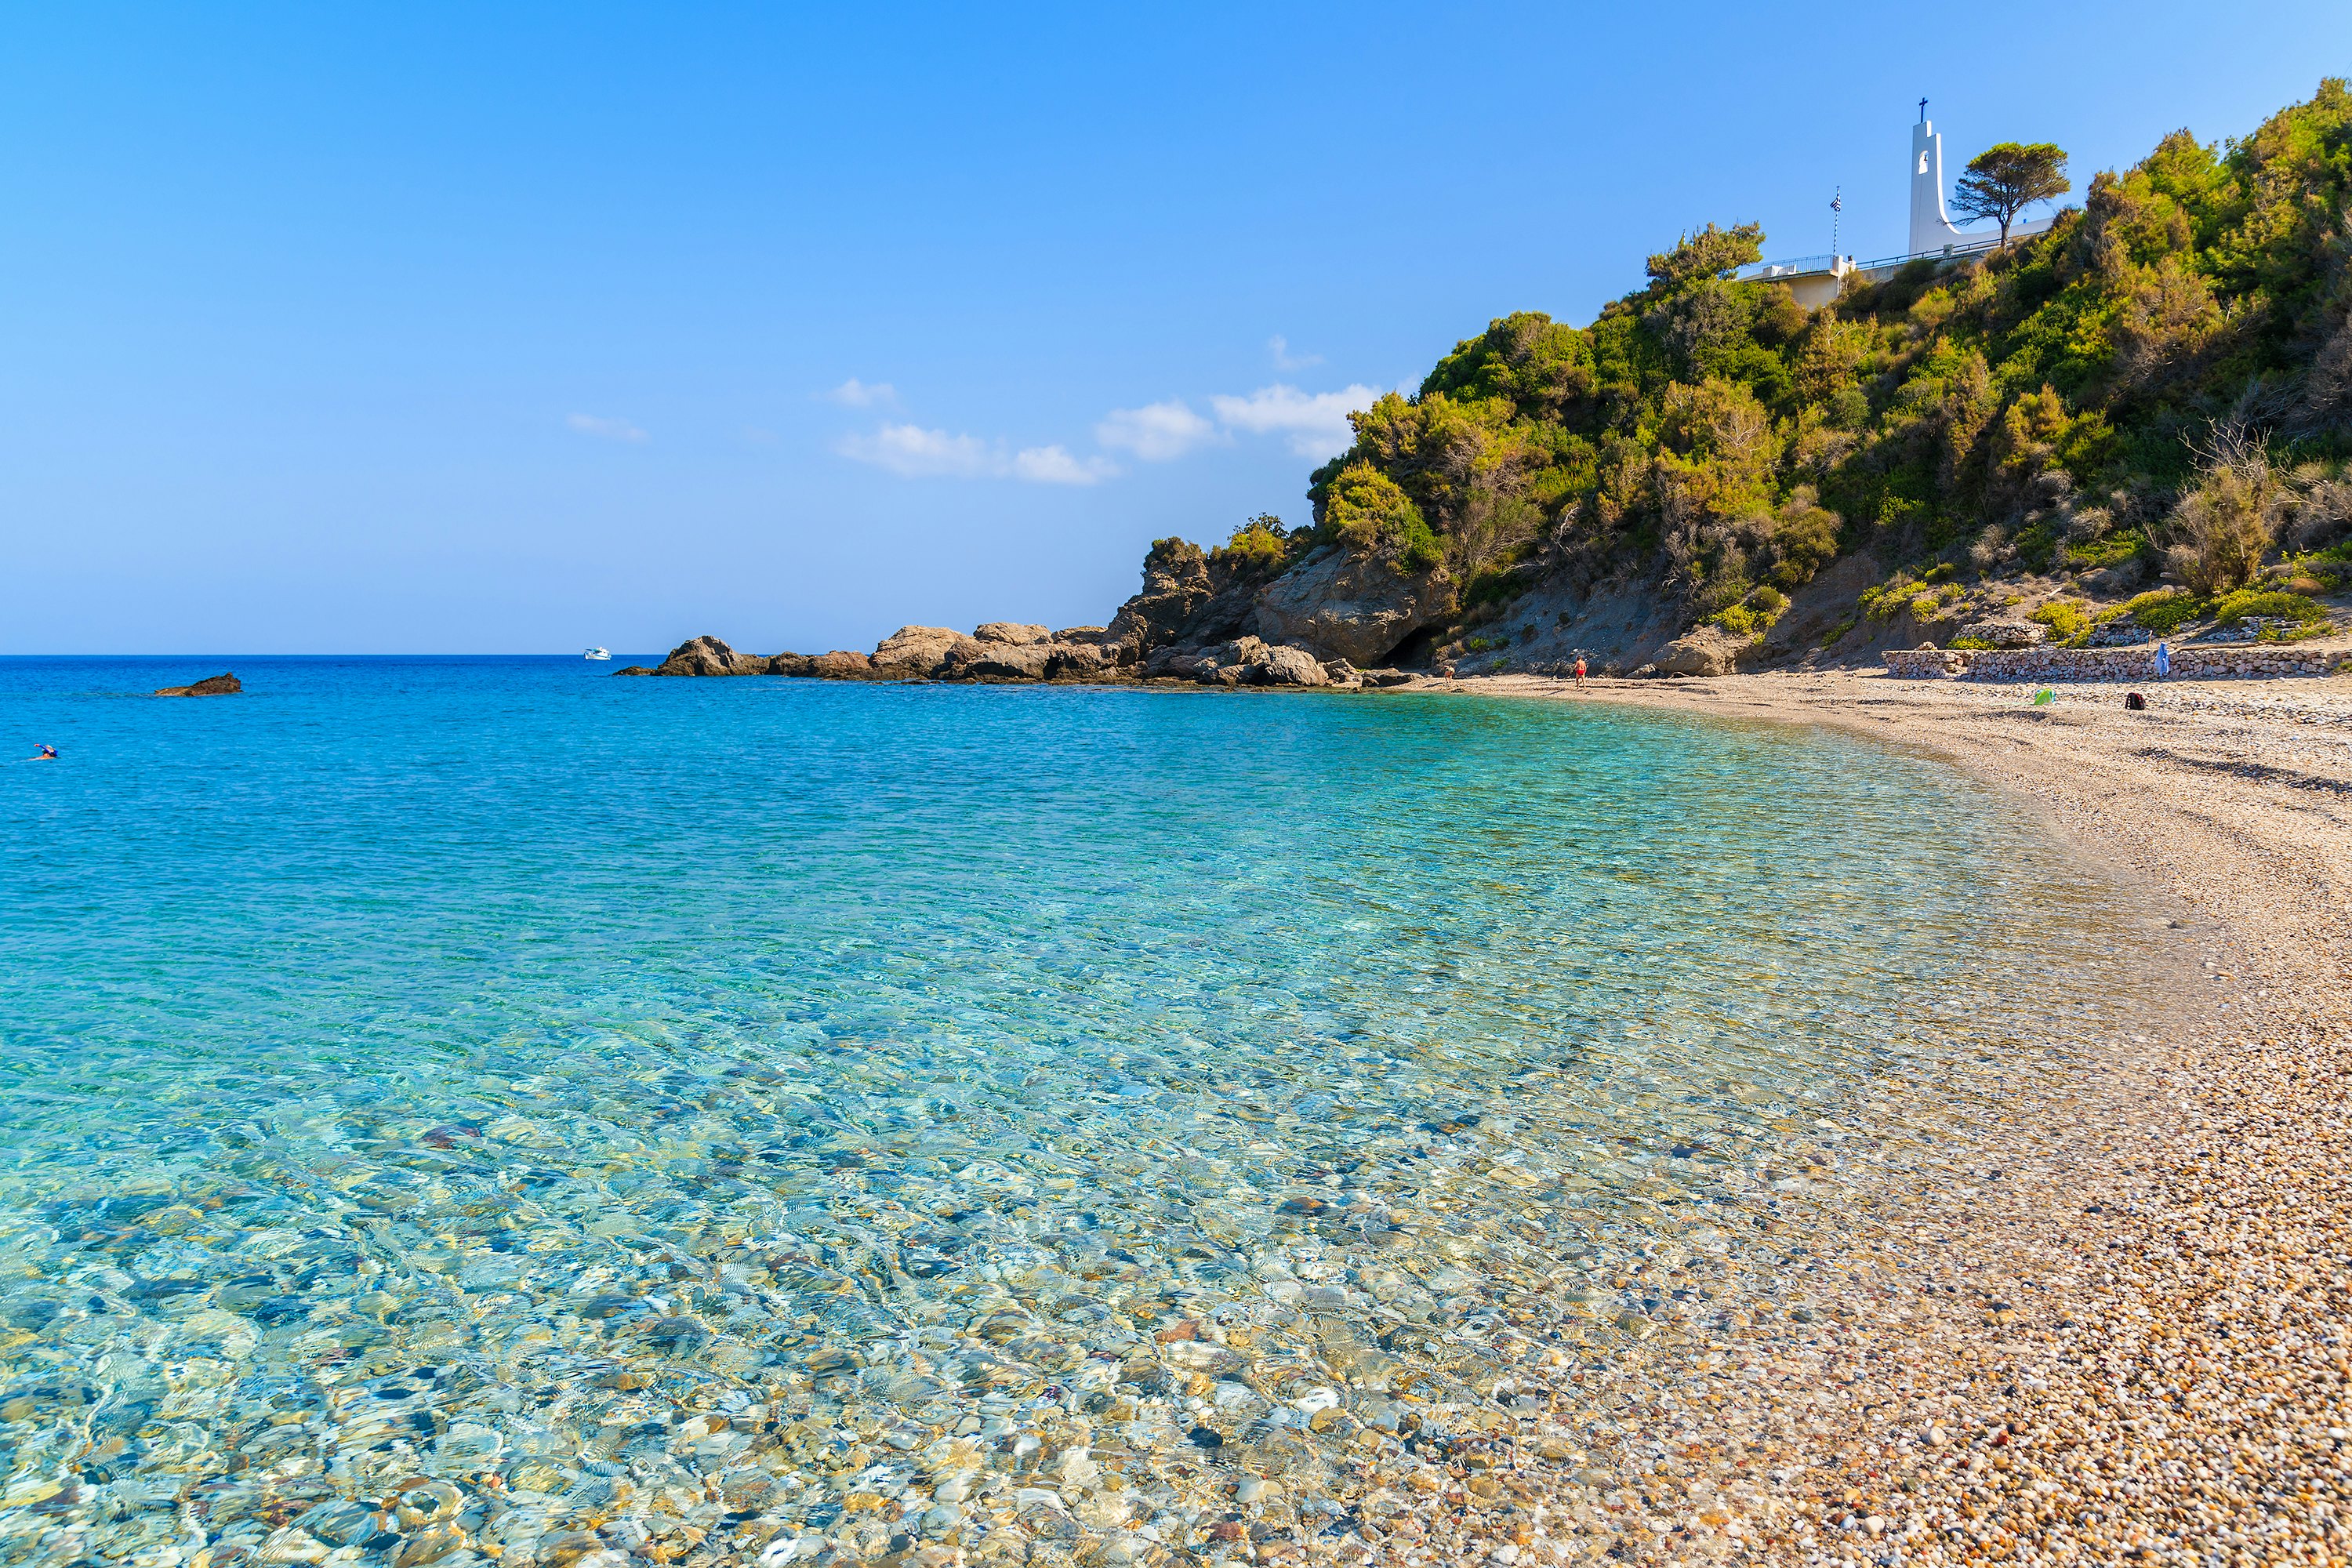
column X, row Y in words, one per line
column 464, row 1111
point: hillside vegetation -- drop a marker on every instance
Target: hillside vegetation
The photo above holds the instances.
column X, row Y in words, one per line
column 2163, row 380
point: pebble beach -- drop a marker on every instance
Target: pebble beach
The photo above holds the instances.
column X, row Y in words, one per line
column 2121, row 1335
column 1880, row 1167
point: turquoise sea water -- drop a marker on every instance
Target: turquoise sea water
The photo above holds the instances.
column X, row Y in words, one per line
column 566, row 1114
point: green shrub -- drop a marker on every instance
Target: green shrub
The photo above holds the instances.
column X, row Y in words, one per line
column 1972, row 643
column 2165, row 611
column 1371, row 515
column 2231, row 608
column 2068, row 622
column 2112, row 551
column 2222, row 527
column 1262, row 545
column 2036, row 544
column 1754, row 615
column 1885, row 602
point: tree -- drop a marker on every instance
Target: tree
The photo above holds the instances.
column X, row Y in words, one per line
column 2222, row 529
column 1260, row 544
column 1367, row 511
column 2002, row 181
column 1710, row 253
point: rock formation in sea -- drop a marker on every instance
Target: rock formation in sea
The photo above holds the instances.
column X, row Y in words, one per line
column 222, row 685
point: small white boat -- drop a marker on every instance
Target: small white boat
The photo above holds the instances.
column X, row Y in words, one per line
column 598, row 653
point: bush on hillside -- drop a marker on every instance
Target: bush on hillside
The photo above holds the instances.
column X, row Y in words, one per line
column 2165, row 611
column 2234, row 607
column 2068, row 621
column 2227, row 522
column 1370, row 513
column 1260, row 546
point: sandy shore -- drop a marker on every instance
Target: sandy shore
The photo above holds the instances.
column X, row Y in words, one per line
column 2131, row 1343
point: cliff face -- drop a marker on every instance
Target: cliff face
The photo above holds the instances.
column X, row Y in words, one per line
column 1332, row 605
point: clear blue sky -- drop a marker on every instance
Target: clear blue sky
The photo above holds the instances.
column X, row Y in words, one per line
column 512, row 328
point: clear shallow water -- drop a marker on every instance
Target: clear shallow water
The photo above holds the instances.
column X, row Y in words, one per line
column 467, row 1104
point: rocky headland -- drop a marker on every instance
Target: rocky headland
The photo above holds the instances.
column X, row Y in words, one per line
column 1197, row 620
column 2135, row 425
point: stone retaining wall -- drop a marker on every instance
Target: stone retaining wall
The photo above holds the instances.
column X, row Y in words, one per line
column 2217, row 662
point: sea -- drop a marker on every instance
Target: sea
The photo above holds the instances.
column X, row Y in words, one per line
column 476, row 1109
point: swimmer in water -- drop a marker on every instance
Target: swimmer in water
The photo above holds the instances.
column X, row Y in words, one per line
column 48, row 753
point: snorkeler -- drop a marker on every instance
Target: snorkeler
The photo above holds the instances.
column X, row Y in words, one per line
column 48, row 753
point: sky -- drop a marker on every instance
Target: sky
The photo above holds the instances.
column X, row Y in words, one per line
column 515, row 329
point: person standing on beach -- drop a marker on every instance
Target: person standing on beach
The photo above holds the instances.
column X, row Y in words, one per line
column 2163, row 661
column 1579, row 672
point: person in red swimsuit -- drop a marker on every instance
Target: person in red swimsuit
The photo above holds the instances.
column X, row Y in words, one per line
column 1580, row 669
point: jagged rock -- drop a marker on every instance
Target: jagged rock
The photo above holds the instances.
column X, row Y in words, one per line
column 786, row 663
column 1285, row 667
column 1005, row 661
column 1709, row 650
column 1243, row 661
column 1082, row 634
column 1012, row 632
column 1236, row 656
column 1079, row 660
column 1175, row 585
column 1178, row 662
column 1377, row 679
column 636, row 669
column 222, row 685
column 916, row 652
column 841, row 664
column 2005, row 633
column 1343, row 606
column 708, row 655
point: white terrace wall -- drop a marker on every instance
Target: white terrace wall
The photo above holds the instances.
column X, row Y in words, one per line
column 2110, row 663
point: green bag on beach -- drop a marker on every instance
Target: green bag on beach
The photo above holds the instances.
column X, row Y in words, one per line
column 2043, row 698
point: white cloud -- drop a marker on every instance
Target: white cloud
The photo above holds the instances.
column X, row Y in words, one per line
column 1054, row 465
column 857, row 393
column 1316, row 422
column 1156, row 432
column 1279, row 347
column 604, row 429
column 912, row 452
